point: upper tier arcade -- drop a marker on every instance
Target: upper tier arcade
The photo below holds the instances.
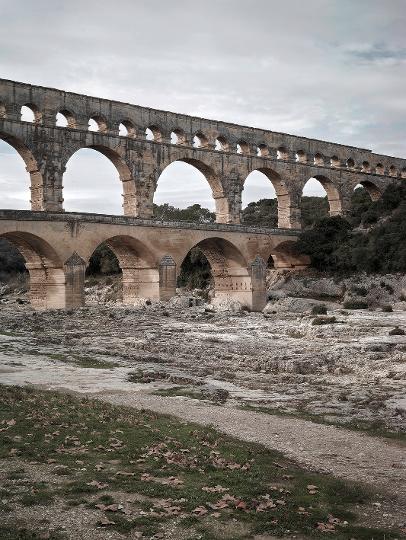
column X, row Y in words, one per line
column 225, row 153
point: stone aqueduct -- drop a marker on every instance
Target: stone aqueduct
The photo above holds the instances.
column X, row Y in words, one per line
column 57, row 245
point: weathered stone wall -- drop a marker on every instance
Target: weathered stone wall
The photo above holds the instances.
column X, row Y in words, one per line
column 57, row 248
column 227, row 154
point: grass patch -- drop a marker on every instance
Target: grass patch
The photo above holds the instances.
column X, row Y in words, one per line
column 84, row 361
column 183, row 473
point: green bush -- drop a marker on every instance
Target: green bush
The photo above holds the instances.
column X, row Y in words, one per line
column 355, row 304
column 318, row 321
column 319, row 309
column 387, row 309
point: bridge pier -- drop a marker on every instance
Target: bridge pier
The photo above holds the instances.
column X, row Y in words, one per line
column 47, row 287
column 140, row 283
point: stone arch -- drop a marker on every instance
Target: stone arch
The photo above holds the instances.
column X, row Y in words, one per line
column 156, row 133
column 126, row 128
column 301, row 156
column 32, row 167
column 200, row 140
column 2, row 110
column 222, row 144
column 125, row 174
column 37, row 115
column 232, row 273
column 221, row 202
column 372, row 189
column 140, row 274
column 178, row 136
column 286, row 214
column 47, row 278
column 70, row 120
column 333, row 194
column 101, row 122
column 285, row 255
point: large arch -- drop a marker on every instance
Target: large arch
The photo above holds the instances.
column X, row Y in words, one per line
column 47, row 277
column 234, row 277
column 124, row 175
column 32, row 167
column 221, row 203
column 317, row 186
column 372, row 189
column 286, row 218
column 285, row 256
column 140, row 274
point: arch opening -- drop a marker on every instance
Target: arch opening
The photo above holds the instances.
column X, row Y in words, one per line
column 97, row 123
column 276, row 209
column 126, row 269
column 46, row 278
column 30, row 113
column 178, row 137
column 335, row 162
column 262, row 150
column 126, row 129
column 225, row 271
column 301, row 156
column 259, row 200
column 374, row 193
column 189, row 190
column 320, row 198
column 2, row 110
column 153, row 133
column 14, row 155
column 243, row 148
column 66, row 119
column 200, row 141
column 319, row 160
column 221, row 144
column 91, row 182
column 282, row 153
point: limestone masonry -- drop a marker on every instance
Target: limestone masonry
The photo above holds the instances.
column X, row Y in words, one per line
column 57, row 245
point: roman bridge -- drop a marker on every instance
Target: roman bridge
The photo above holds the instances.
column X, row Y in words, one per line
column 57, row 248
column 141, row 142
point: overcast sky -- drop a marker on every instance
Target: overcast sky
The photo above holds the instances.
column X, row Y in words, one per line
column 329, row 69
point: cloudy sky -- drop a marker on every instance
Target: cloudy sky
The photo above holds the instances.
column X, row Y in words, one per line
column 330, row 69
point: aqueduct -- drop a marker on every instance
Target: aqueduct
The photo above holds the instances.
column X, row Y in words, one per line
column 57, row 245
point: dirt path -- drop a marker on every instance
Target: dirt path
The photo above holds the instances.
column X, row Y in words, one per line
column 378, row 462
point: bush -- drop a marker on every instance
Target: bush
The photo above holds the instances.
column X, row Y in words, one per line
column 319, row 309
column 355, row 304
column 318, row 321
column 387, row 309
column 397, row 332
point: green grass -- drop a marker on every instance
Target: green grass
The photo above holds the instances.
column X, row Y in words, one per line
column 108, row 449
column 83, row 361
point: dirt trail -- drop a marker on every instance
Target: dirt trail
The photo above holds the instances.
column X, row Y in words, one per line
column 378, row 462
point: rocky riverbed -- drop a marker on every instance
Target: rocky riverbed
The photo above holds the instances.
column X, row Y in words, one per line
column 341, row 368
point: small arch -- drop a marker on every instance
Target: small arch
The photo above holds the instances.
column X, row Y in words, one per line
column 335, row 162
column 178, row 136
column 153, row 133
column 200, row 140
column 126, row 129
column 262, row 150
column 2, row 110
column 65, row 118
column 350, row 163
column 366, row 167
column 319, row 159
column 393, row 171
column 221, row 144
column 282, row 153
column 30, row 113
column 403, row 173
column 243, row 148
column 97, row 122
column 380, row 169
column 301, row 156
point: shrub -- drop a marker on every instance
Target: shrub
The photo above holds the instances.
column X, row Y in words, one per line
column 359, row 291
column 355, row 304
column 397, row 332
column 387, row 309
column 319, row 309
column 318, row 321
